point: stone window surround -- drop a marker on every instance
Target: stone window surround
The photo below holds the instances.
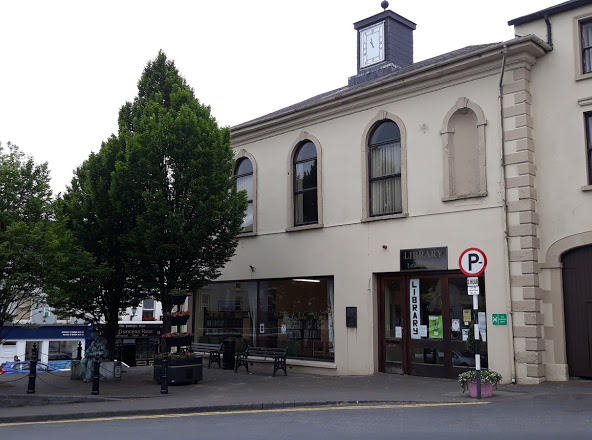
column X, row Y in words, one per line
column 380, row 116
column 304, row 136
column 447, row 136
column 577, row 44
column 243, row 154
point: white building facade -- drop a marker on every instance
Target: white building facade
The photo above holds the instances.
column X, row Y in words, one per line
column 361, row 201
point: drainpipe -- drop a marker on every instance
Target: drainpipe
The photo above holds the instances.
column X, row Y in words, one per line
column 505, row 208
column 549, row 32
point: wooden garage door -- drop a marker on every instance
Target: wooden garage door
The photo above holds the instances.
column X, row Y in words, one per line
column 577, row 294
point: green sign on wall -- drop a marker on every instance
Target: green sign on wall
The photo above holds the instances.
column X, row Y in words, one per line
column 499, row 318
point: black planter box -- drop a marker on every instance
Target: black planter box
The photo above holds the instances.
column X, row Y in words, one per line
column 180, row 371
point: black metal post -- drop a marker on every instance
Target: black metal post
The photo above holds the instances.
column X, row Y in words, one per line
column 79, row 351
column 96, row 375
column 164, row 385
column 32, row 371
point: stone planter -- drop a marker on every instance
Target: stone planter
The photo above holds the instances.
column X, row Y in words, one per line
column 486, row 389
column 180, row 371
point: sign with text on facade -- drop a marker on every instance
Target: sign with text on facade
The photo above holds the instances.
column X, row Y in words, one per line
column 499, row 319
column 472, row 262
column 414, row 308
column 424, row 258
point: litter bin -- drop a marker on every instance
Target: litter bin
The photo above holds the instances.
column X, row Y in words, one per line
column 228, row 354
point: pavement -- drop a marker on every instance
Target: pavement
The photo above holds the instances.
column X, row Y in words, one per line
column 58, row 397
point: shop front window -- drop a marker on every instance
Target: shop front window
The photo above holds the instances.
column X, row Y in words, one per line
column 295, row 314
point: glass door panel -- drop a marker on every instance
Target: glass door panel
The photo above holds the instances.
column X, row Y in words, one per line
column 393, row 326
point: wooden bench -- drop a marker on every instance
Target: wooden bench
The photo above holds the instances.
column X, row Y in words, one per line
column 212, row 350
column 262, row 355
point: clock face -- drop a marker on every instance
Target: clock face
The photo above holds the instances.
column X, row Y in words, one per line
column 372, row 45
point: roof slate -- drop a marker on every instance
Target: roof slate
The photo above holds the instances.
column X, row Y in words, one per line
column 335, row 94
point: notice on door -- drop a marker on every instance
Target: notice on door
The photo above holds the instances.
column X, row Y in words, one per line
column 415, row 312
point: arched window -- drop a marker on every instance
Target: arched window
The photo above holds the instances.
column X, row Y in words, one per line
column 243, row 172
column 384, row 161
column 305, row 185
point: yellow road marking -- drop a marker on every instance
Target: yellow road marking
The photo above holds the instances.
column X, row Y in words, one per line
column 250, row 411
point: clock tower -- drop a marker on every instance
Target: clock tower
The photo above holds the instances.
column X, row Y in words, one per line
column 385, row 44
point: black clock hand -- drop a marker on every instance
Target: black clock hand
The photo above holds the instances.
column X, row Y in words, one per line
column 371, row 44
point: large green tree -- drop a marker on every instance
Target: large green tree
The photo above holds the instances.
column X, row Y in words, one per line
column 156, row 207
column 95, row 289
column 177, row 183
column 25, row 210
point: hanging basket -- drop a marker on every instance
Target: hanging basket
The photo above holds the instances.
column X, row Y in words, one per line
column 178, row 300
column 178, row 320
column 178, row 341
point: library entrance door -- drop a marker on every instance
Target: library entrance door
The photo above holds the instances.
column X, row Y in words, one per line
column 424, row 322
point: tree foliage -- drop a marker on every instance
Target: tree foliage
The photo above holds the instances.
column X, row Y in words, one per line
column 25, row 207
column 157, row 207
column 177, row 181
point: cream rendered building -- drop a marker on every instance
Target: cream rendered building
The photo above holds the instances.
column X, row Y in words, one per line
column 363, row 199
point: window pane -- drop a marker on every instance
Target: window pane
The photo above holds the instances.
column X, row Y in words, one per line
column 589, row 135
column 245, row 183
column 385, row 160
column 586, row 44
column 392, row 309
column 305, row 207
column 386, row 196
column 245, row 167
column 306, row 151
column 295, row 315
column 387, row 131
column 247, row 225
column 148, row 304
column 306, row 175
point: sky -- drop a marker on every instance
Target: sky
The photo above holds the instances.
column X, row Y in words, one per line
column 68, row 66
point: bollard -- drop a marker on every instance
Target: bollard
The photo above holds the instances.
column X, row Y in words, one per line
column 32, row 371
column 79, row 351
column 164, row 385
column 96, row 375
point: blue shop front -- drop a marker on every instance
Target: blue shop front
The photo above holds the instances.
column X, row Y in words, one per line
column 57, row 345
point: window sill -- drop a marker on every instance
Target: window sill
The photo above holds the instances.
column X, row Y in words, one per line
column 582, row 76
column 586, row 188
column 385, row 217
column 468, row 196
column 247, row 234
column 304, row 227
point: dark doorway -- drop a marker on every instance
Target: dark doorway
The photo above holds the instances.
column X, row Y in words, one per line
column 577, row 297
column 433, row 340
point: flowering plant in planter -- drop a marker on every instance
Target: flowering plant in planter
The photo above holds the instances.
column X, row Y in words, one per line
column 148, row 318
column 487, row 377
column 177, row 334
column 178, row 355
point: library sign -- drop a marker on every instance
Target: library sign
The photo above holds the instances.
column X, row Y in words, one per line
column 424, row 259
